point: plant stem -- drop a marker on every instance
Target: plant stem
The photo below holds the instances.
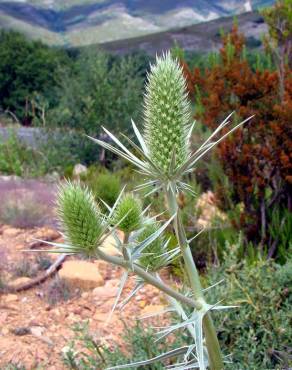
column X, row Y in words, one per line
column 148, row 277
column 212, row 343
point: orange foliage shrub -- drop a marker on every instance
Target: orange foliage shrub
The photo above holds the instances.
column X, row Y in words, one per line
column 257, row 158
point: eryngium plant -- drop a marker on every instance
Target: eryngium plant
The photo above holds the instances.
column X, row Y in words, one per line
column 163, row 158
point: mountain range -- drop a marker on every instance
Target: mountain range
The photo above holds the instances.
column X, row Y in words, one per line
column 85, row 22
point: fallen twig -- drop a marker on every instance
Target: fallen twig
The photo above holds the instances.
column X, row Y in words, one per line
column 38, row 280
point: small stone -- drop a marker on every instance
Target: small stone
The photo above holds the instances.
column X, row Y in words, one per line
column 11, row 298
column 78, row 170
column 109, row 246
column 38, row 331
column 142, row 304
column 20, row 281
column 81, row 274
column 104, row 292
column 21, row 331
column 11, row 232
column 5, row 331
column 152, row 309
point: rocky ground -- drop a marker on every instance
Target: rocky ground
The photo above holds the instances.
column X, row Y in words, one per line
column 37, row 324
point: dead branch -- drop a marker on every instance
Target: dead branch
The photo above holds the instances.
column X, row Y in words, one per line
column 38, row 280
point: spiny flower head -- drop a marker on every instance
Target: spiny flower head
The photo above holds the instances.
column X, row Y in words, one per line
column 151, row 258
column 80, row 218
column 128, row 214
column 167, row 113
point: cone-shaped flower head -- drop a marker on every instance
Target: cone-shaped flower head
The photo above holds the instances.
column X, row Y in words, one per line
column 152, row 258
column 80, row 218
column 167, row 113
column 128, row 214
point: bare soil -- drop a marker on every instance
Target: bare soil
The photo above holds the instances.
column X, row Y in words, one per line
column 34, row 328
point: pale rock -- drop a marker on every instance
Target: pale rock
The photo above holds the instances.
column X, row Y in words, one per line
column 209, row 211
column 11, row 232
column 152, row 309
column 38, row 331
column 11, row 298
column 19, row 281
column 5, row 331
column 78, row 170
column 52, row 177
column 105, row 292
column 103, row 317
column 109, row 246
column 8, row 178
column 81, row 274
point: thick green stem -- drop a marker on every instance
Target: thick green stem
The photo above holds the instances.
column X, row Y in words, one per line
column 212, row 343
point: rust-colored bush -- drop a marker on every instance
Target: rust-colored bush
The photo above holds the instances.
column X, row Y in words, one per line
column 257, row 158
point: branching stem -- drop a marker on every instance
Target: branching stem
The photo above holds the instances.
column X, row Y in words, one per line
column 148, row 277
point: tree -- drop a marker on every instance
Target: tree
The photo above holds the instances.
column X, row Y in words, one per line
column 26, row 67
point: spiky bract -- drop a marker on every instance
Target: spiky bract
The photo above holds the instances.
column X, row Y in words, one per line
column 80, row 218
column 152, row 258
column 167, row 113
column 128, row 214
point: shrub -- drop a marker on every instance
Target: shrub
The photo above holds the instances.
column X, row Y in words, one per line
column 98, row 91
column 256, row 157
column 58, row 290
column 18, row 159
column 23, row 210
column 27, row 67
column 24, row 268
column 258, row 332
column 104, row 185
column 138, row 342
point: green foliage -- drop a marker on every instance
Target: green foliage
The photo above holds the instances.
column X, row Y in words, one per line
column 139, row 346
column 17, row 159
column 128, row 214
column 26, row 67
column 280, row 229
column 104, row 185
column 81, row 218
column 167, row 114
column 98, row 91
column 258, row 332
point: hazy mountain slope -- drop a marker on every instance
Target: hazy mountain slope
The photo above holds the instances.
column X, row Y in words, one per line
column 79, row 22
column 203, row 37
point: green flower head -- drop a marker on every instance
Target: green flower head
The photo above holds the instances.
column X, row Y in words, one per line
column 128, row 214
column 151, row 258
column 167, row 113
column 80, row 218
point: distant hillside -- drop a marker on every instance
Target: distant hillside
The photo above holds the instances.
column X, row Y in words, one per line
column 203, row 37
column 85, row 22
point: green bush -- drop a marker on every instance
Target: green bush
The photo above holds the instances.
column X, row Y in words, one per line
column 138, row 347
column 98, row 91
column 104, row 185
column 27, row 67
column 258, row 332
column 17, row 159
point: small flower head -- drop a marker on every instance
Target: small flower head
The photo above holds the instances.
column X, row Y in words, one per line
column 128, row 214
column 151, row 258
column 80, row 218
column 167, row 113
